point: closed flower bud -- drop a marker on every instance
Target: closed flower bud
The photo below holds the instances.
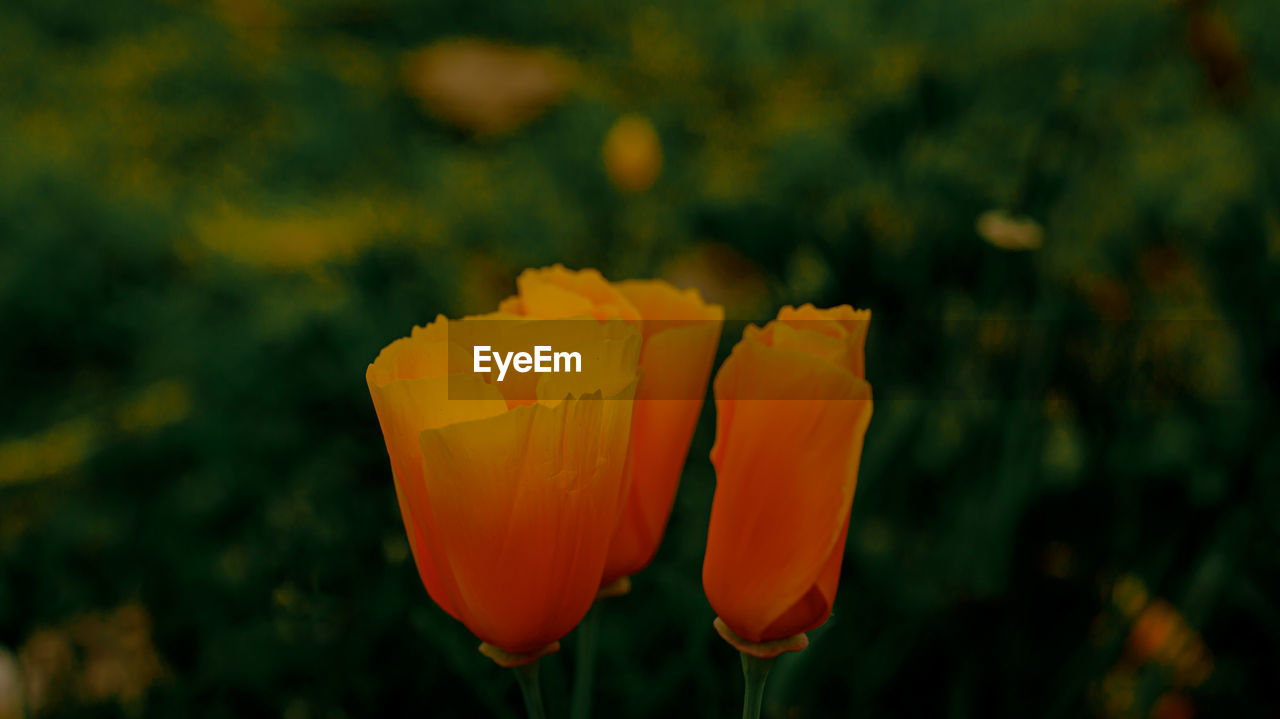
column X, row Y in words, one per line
column 792, row 407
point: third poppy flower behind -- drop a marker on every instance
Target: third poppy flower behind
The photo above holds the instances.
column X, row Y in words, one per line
column 680, row 334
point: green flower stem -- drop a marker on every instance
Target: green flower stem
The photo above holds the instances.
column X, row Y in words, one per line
column 754, row 670
column 527, row 676
column 585, row 672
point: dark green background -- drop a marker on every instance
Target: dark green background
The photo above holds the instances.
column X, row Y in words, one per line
column 1033, row 442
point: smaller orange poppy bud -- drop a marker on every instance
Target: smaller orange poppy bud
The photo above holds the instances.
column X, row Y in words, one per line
column 792, row 407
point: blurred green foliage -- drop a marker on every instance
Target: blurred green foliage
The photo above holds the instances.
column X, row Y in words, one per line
column 212, row 216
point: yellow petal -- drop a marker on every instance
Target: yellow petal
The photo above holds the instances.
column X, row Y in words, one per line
column 662, row 306
column 424, row 353
column 555, row 292
column 838, row 334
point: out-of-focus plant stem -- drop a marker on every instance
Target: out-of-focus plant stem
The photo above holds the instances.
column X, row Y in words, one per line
column 527, row 676
column 585, row 673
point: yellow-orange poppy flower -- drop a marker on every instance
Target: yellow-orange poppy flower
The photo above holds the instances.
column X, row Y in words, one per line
column 680, row 333
column 792, row 406
column 508, row 504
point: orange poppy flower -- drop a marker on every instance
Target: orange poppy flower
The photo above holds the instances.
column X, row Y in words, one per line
column 792, row 407
column 680, row 333
column 508, row 504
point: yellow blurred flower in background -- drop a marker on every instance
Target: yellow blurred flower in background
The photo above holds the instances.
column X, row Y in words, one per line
column 1008, row 232
column 633, row 154
column 56, row 450
column 66, row 445
column 292, row 238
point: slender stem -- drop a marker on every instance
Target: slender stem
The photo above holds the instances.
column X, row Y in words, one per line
column 527, row 676
column 754, row 670
column 585, row 672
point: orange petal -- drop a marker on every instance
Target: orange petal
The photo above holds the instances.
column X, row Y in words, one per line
column 523, row 505
column 512, row 305
column 812, row 609
column 439, row 585
column 676, row 364
column 681, row 335
column 839, row 334
column 424, row 353
column 405, row 408
column 843, row 316
column 660, row 304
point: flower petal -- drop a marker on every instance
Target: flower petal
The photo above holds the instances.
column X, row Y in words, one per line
column 405, row 408
column 524, row 504
column 676, row 364
column 554, row 292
